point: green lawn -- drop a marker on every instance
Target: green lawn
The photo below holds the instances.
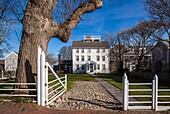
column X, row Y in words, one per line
column 116, row 80
column 71, row 78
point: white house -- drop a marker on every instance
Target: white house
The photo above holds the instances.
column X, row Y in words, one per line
column 10, row 61
column 161, row 56
column 90, row 55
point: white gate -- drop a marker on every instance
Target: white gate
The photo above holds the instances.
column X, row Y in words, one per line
column 47, row 92
column 153, row 104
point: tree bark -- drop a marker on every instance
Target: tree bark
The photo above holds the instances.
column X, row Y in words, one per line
column 39, row 27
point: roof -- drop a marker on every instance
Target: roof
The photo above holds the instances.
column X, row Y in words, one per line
column 65, row 62
column 10, row 54
column 92, row 44
column 166, row 43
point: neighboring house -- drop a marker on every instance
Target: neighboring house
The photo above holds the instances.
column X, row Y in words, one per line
column 10, row 61
column 8, row 65
column 129, row 57
column 161, row 57
column 64, row 66
column 91, row 55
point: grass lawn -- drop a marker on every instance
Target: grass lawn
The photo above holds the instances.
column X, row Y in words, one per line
column 71, row 78
column 116, row 80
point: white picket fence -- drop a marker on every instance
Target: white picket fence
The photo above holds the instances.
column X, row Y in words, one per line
column 47, row 92
column 135, row 104
column 15, row 89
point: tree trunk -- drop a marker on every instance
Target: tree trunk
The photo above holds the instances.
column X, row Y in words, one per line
column 38, row 28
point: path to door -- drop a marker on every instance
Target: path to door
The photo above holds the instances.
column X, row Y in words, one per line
column 114, row 91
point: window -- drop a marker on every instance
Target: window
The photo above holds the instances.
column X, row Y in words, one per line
column 82, row 50
column 89, row 50
column 89, row 58
column 77, row 51
column 103, row 50
column 103, row 58
column 77, row 67
column 103, row 67
column 98, row 67
column 82, row 58
column 98, row 51
column 77, row 58
column 98, row 58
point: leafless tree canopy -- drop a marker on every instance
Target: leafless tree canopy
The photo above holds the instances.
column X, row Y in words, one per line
column 51, row 59
column 66, row 53
column 159, row 10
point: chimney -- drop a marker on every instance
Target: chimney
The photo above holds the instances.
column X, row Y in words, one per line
column 88, row 38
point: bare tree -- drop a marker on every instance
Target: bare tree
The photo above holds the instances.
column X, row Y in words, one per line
column 39, row 27
column 51, row 59
column 118, row 49
column 141, row 39
column 159, row 11
column 66, row 53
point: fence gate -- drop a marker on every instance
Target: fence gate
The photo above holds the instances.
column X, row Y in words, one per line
column 155, row 95
column 48, row 90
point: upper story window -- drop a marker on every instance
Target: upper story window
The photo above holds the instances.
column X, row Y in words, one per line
column 98, row 51
column 82, row 58
column 103, row 58
column 89, row 58
column 103, row 51
column 77, row 58
column 82, row 50
column 89, row 50
column 77, row 51
column 98, row 58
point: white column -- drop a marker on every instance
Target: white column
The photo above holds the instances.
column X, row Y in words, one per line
column 42, row 69
column 46, row 83
column 38, row 76
column 125, row 92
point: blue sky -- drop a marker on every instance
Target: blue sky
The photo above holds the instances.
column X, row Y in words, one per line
column 114, row 16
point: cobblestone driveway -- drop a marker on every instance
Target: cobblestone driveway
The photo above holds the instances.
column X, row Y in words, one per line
column 87, row 95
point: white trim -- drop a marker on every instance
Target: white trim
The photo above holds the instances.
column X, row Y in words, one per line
column 10, row 54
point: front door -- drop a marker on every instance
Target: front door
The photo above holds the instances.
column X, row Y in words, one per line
column 91, row 67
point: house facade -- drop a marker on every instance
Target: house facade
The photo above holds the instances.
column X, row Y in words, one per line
column 10, row 61
column 91, row 55
column 129, row 57
column 64, row 66
column 161, row 57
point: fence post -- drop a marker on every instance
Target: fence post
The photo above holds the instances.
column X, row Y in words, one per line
column 38, row 76
column 155, row 93
column 125, row 92
column 65, row 81
column 46, row 83
column 42, row 79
